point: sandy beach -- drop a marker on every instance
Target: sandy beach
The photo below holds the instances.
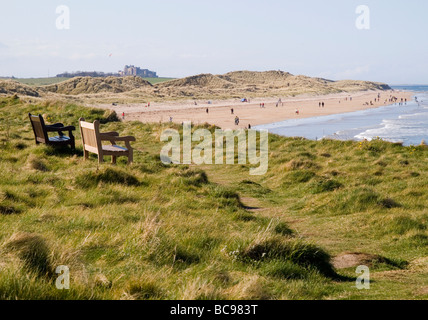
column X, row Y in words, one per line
column 251, row 113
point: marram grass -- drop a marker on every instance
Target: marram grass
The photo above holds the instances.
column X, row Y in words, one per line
column 152, row 231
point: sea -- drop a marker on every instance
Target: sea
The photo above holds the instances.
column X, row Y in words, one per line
column 406, row 124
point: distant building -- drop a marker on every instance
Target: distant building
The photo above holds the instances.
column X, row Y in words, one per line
column 136, row 71
column 127, row 71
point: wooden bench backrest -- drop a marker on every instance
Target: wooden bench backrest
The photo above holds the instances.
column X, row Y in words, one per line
column 91, row 136
column 39, row 128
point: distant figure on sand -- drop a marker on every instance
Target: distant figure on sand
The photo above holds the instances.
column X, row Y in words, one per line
column 323, row 104
column 297, row 111
column 208, row 111
column 123, row 115
column 249, row 127
column 236, row 120
column 232, row 111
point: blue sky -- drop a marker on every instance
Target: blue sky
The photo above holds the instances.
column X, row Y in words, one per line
column 179, row 38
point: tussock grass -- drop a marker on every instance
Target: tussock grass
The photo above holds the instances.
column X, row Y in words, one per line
column 106, row 176
column 33, row 251
column 283, row 229
column 6, row 210
column 293, row 251
column 37, row 163
column 190, row 177
column 143, row 290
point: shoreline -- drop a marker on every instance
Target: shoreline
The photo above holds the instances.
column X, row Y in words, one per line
column 220, row 114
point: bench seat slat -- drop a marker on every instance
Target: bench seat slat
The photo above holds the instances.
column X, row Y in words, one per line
column 114, row 148
column 59, row 139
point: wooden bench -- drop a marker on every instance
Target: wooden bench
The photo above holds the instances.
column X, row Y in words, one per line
column 41, row 132
column 92, row 140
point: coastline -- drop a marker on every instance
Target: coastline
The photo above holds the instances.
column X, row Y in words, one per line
column 219, row 112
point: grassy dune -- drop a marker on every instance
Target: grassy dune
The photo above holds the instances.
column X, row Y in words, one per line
column 232, row 85
column 210, row 232
column 55, row 80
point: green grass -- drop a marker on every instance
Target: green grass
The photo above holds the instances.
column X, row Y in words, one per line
column 158, row 80
column 41, row 81
column 152, row 231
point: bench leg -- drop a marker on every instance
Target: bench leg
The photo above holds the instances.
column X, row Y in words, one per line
column 100, row 158
column 113, row 159
column 130, row 157
column 73, row 141
column 86, row 155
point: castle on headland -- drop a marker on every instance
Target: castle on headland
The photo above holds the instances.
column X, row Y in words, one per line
column 136, row 71
column 127, row 71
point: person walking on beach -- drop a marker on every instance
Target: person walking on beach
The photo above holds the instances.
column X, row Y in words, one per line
column 236, row 120
column 123, row 115
column 249, row 127
column 232, row 111
column 208, row 111
column 323, row 104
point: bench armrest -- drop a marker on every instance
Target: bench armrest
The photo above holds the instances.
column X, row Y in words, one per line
column 54, row 125
column 57, row 128
column 109, row 134
column 125, row 139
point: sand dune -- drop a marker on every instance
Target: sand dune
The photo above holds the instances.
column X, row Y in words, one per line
column 246, row 84
column 232, row 85
column 11, row 87
column 88, row 85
